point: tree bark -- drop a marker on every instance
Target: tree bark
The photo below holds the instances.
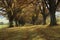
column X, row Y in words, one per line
column 10, row 17
column 10, row 23
column 33, row 20
column 53, row 19
column 52, row 11
column 44, row 19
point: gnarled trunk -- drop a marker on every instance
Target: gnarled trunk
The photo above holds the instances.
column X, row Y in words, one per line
column 10, row 17
column 52, row 10
column 53, row 18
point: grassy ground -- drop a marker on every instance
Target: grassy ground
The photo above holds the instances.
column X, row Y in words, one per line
column 3, row 26
column 30, row 32
column 36, row 32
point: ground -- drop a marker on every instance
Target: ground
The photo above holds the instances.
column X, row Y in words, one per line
column 33, row 32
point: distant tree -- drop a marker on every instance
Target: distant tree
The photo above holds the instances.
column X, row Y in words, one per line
column 44, row 11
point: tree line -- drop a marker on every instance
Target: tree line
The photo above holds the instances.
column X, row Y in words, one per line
column 14, row 9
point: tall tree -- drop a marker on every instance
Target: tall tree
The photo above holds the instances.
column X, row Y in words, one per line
column 52, row 5
column 8, row 6
column 44, row 13
column 13, row 7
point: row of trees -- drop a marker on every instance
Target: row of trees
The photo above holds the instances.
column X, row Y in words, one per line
column 51, row 6
column 13, row 7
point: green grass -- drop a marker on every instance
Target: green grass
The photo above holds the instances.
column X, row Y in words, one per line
column 3, row 26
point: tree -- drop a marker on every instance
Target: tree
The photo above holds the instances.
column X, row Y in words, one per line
column 8, row 6
column 12, row 8
column 52, row 6
column 44, row 11
column 38, row 4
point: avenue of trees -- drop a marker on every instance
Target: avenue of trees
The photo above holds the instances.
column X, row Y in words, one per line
column 45, row 7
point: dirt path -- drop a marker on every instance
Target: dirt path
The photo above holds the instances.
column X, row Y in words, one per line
column 30, row 33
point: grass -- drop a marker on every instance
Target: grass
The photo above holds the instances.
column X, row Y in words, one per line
column 3, row 26
column 30, row 32
column 34, row 32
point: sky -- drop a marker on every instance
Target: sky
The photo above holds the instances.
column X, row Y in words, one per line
column 57, row 14
column 3, row 19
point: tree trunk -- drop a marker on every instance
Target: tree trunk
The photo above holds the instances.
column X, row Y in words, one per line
column 52, row 10
column 44, row 15
column 10, row 23
column 52, row 16
column 10, row 17
column 53, row 19
column 33, row 20
column 44, row 19
column 16, row 23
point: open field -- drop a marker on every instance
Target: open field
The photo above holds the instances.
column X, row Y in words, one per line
column 3, row 26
